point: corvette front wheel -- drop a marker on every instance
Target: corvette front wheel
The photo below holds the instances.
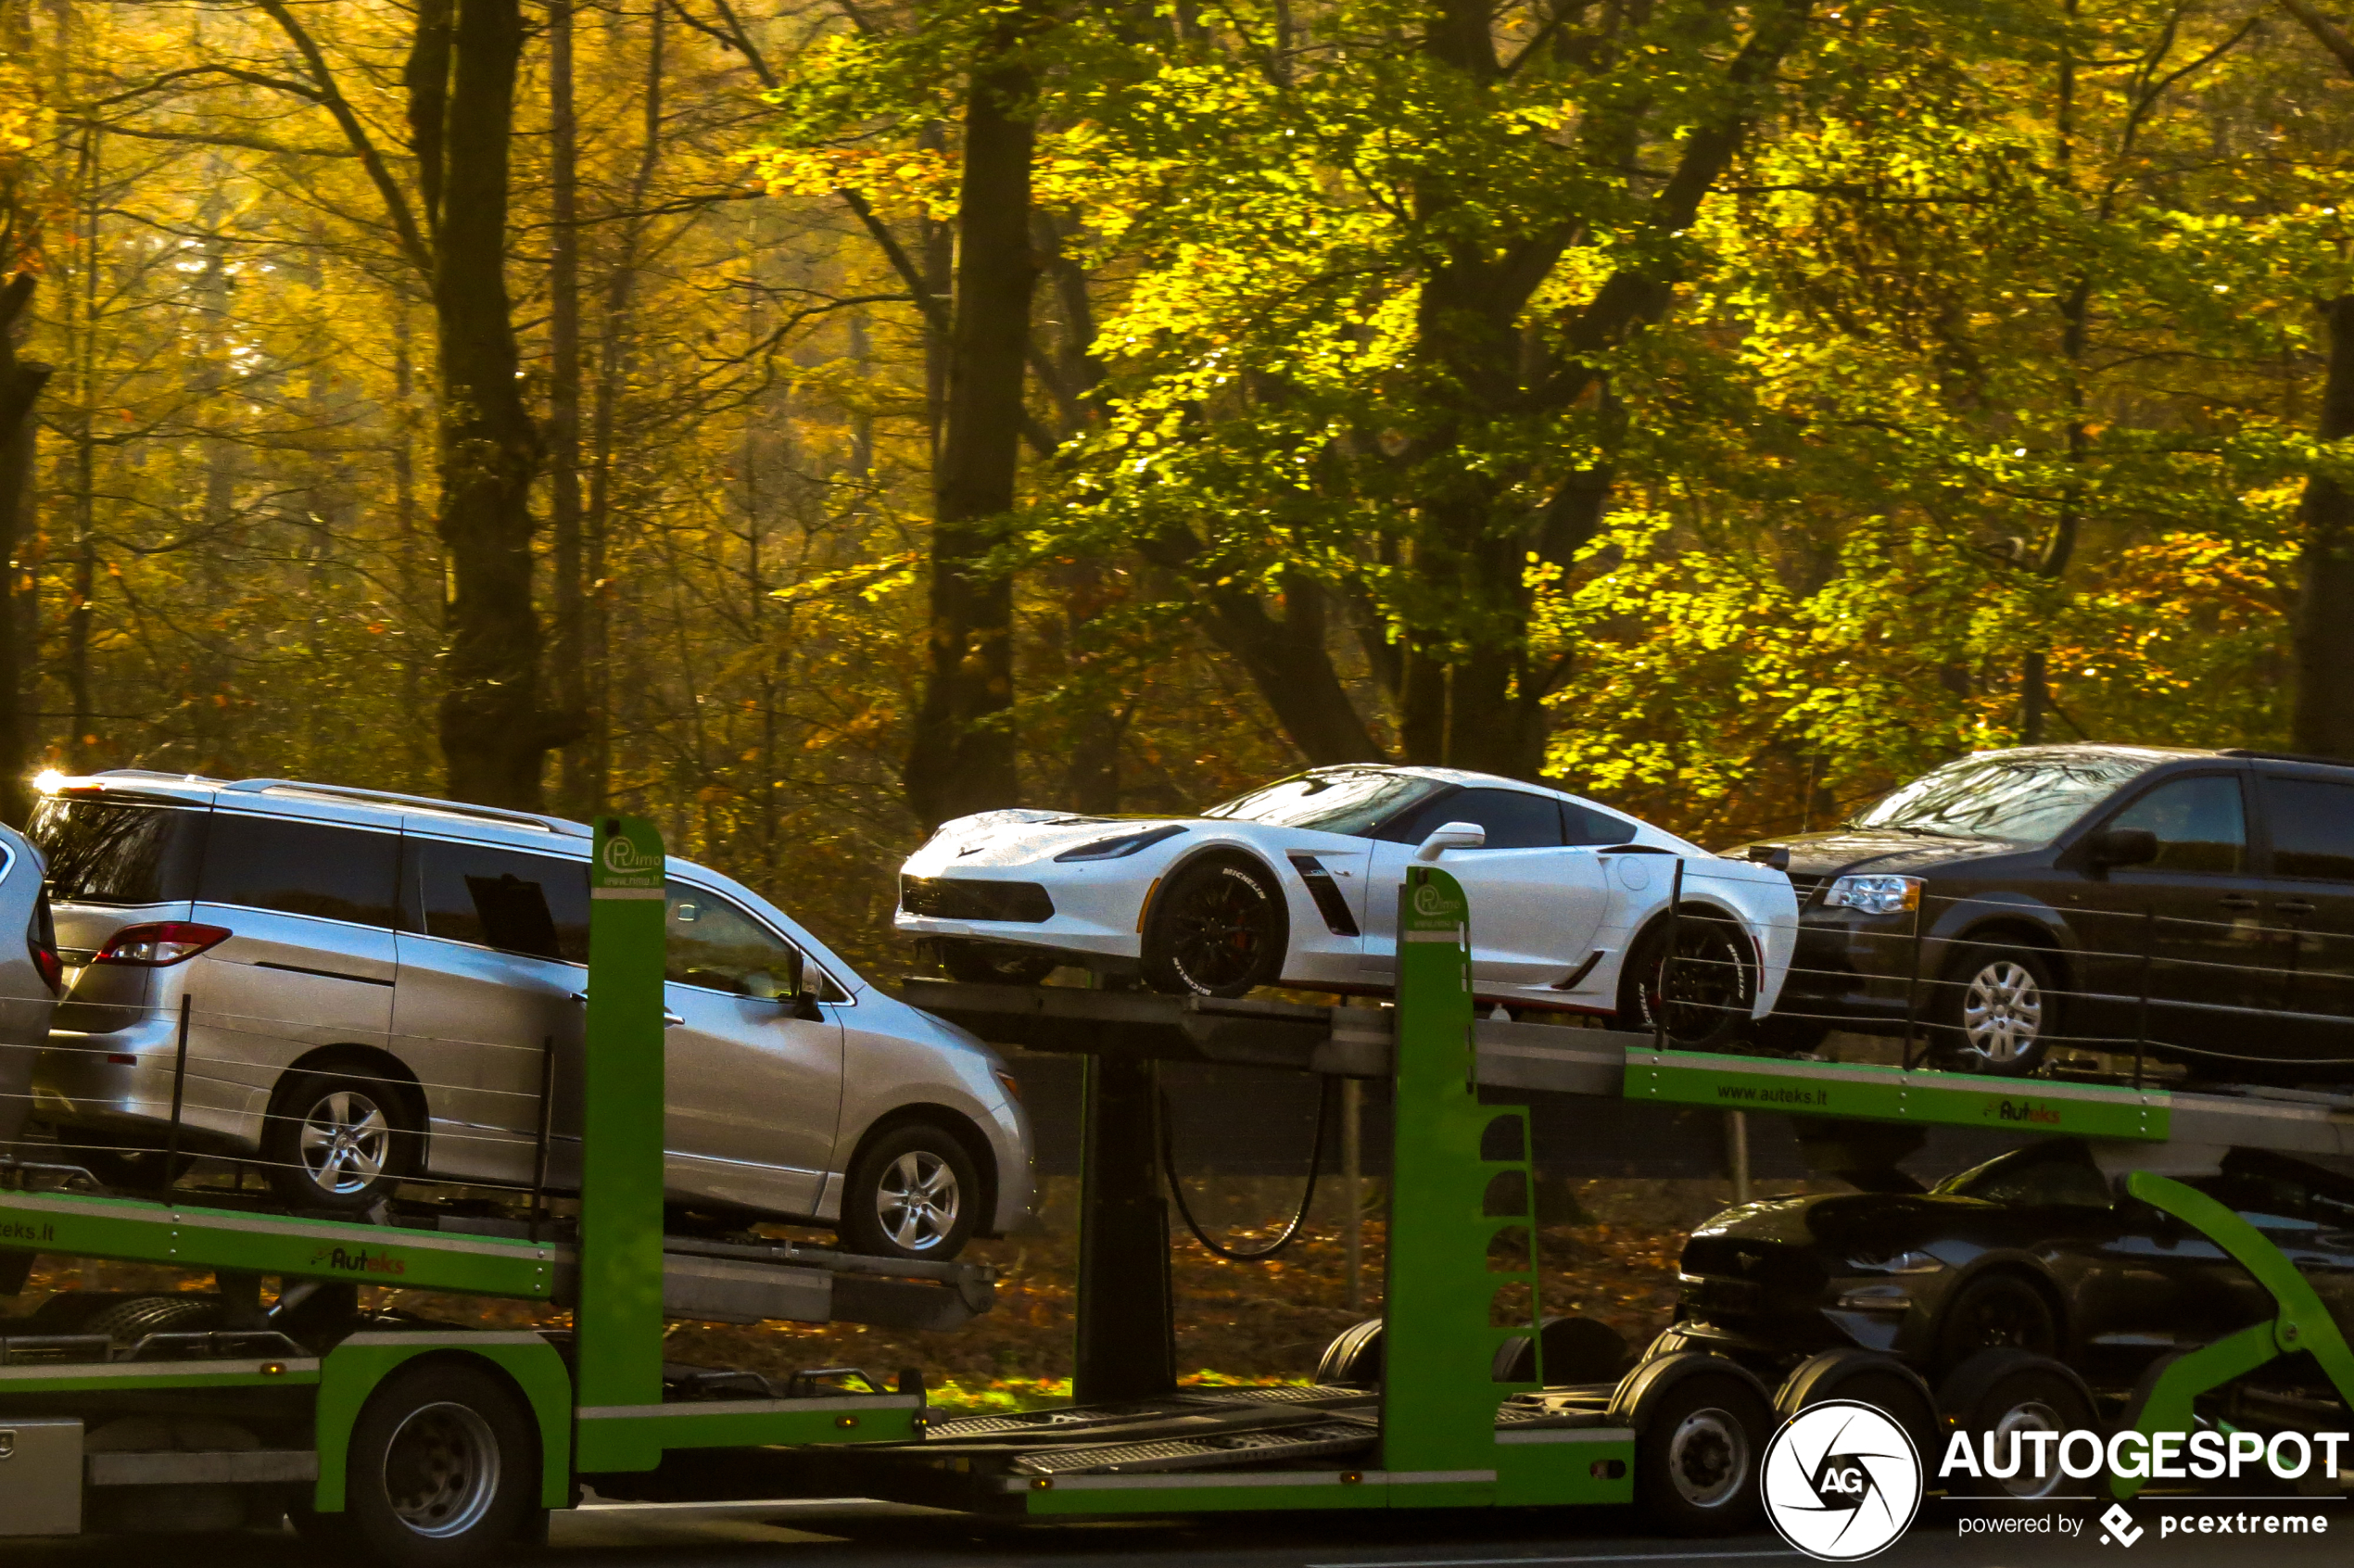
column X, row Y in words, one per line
column 1218, row 928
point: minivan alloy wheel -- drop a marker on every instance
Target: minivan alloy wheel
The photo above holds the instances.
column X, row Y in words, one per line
column 2002, row 1012
column 918, row 1200
column 345, row 1141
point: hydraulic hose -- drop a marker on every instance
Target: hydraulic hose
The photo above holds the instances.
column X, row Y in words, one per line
column 1307, row 1198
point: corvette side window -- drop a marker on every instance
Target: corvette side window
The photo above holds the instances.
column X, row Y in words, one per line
column 1513, row 820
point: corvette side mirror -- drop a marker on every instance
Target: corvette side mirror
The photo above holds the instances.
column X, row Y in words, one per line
column 1455, row 835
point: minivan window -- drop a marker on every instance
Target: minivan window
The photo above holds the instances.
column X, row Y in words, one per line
column 300, row 868
column 534, row 904
column 2199, row 823
column 2024, row 799
column 715, row 945
column 113, row 852
column 2313, row 823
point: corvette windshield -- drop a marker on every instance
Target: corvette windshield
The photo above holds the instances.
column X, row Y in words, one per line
column 2024, row 799
column 1353, row 800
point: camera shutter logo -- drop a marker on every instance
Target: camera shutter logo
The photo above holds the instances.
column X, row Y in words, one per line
column 1841, row 1481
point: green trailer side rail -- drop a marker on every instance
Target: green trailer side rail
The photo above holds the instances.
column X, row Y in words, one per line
column 142, row 1231
column 1864, row 1093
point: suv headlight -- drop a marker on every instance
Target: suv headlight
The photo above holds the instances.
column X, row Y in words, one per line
column 1874, row 894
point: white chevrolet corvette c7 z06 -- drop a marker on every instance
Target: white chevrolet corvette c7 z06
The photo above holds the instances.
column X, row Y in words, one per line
column 1297, row 884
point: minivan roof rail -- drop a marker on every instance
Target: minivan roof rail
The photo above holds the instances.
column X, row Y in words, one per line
column 151, row 773
column 455, row 808
column 2283, row 756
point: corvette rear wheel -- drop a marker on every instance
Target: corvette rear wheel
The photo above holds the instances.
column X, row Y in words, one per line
column 1218, row 928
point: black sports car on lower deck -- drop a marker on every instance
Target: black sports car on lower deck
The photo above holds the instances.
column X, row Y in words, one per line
column 2034, row 1249
column 2095, row 897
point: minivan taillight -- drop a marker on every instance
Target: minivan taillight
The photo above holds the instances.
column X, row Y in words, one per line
column 40, row 944
column 160, row 945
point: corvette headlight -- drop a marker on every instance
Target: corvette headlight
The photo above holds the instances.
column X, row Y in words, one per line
column 1118, row 848
column 1874, row 894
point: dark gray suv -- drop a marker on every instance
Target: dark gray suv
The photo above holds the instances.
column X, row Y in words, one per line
column 2021, row 899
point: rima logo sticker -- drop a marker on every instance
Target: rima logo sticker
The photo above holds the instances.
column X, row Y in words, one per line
column 1841, row 1481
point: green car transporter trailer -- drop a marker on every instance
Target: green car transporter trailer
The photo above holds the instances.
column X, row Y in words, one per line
column 427, row 1445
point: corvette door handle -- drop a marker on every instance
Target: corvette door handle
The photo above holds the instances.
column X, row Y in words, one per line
column 2293, row 907
column 2237, row 901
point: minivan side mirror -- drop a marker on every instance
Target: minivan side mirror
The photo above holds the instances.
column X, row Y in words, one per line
column 1454, row 835
column 2123, row 846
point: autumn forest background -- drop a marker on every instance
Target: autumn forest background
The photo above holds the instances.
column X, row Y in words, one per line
column 802, row 421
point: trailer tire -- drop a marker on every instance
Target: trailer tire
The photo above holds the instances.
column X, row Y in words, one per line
column 1868, row 1377
column 128, row 1323
column 444, row 1468
column 2001, row 1392
column 1699, row 1440
column 1354, row 1358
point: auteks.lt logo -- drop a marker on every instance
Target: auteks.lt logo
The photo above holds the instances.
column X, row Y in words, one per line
column 1841, row 1481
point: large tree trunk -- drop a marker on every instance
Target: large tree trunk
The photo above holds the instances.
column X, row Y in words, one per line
column 2323, row 633
column 21, row 383
column 962, row 755
column 495, row 735
column 579, row 795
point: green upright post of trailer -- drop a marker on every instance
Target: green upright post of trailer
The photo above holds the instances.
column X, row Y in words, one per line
column 619, row 1324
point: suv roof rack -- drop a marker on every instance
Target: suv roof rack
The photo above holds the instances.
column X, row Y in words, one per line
column 455, row 808
column 2283, row 756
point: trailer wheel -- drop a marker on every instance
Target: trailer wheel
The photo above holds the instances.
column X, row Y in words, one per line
column 1868, row 1377
column 1696, row 1455
column 444, row 1470
column 1354, row 1358
column 2006, row 1395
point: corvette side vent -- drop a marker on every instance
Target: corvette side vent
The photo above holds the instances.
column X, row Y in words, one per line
column 1330, row 902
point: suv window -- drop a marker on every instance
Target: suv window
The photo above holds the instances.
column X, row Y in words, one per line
column 1512, row 819
column 2313, row 823
column 111, row 851
column 534, row 904
column 300, row 868
column 715, row 944
column 2199, row 823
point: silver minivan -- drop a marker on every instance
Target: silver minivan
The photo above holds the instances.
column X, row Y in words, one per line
column 376, row 989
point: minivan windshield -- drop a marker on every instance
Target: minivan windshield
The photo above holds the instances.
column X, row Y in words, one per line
column 2024, row 798
column 1339, row 800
